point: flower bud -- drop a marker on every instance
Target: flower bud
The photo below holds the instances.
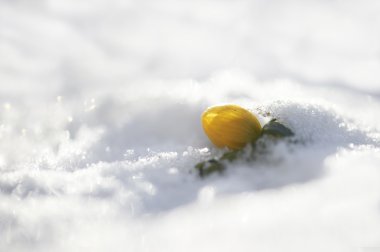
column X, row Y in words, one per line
column 230, row 126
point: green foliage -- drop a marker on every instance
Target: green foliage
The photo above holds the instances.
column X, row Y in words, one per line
column 276, row 129
column 209, row 167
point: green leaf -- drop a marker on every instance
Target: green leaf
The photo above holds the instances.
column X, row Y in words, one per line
column 208, row 167
column 276, row 129
column 230, row 155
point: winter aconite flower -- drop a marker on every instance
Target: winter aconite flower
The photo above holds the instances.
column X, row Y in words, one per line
column 230, row 126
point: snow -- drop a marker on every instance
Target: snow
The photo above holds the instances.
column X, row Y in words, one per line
column 100, row 105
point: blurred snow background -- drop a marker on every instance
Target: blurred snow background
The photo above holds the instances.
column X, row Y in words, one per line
column 100, row 105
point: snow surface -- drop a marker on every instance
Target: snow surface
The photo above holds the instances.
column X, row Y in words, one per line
column 100, row 104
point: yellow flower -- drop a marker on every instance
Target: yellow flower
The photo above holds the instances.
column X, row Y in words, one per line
column 230, row 126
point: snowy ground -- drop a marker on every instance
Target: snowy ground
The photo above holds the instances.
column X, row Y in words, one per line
column 100, row 104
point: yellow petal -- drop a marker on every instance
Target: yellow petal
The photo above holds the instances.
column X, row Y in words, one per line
column 230, row 126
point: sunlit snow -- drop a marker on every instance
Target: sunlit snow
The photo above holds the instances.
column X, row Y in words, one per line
column 100, row 105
